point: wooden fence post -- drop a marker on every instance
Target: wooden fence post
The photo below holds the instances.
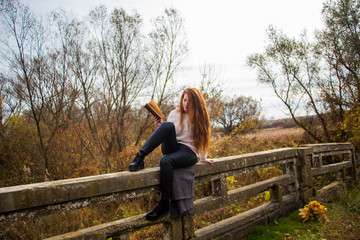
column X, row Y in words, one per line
column 303, row 168
column 188, row 227
column 276, row 194
column 353, row 160
column 173, row 230
column 219, row 186
column 290, row 168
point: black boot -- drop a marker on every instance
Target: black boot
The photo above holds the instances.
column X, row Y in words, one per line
column 161, row 209
column 138, row 163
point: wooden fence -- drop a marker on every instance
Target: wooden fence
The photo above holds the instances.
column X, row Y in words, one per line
column 288, row 192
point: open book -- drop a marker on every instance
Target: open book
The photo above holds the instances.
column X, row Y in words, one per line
column 154, row 109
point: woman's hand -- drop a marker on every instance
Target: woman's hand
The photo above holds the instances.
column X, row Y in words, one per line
column 158, row 121
column 207, row 160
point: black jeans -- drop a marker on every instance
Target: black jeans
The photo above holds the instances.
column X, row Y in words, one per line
column 176, row 155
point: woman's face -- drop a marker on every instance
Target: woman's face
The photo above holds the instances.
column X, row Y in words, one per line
column 185, row 102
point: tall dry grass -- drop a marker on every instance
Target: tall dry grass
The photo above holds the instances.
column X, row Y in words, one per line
column 259, row 140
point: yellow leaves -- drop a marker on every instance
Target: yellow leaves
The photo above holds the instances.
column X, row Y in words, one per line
column 249, row 123
column 313, row 210
column 267, row 195
column 232, row 183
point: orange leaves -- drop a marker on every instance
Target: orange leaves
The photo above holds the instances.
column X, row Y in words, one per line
column 313, row 211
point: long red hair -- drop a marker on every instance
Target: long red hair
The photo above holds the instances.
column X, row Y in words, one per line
column 198, row 118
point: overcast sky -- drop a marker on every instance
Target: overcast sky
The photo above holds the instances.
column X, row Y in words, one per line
column 221, row 33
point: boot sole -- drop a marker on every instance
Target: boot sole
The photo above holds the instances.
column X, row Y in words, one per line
column 156, row 218
column 133, row 169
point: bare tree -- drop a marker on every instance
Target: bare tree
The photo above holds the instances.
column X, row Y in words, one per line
column 84, row 64
column 39, row 61
column 23, row 42
column 10, row 105
column 167, row 50
column 211, row 87
column 119, row 45
column 235, row 111
column 129, row 51
column 64, row 30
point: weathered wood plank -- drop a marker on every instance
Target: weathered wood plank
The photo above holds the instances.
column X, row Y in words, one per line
column 102, row 230
column 47, row 193
column 28, row 213
column 228, row 225
column 243, row 193
column 330, row 168
column 244, row 161
column 249, row 191
column 329, row 147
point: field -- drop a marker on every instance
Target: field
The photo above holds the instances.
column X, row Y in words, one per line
column 259, row 140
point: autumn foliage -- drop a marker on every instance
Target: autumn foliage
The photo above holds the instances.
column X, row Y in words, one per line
column 313, row 211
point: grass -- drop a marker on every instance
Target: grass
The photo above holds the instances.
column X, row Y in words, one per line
column 290, row 227
column 343, row 216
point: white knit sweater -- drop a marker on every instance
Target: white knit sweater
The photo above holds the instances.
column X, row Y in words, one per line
column 185, row 136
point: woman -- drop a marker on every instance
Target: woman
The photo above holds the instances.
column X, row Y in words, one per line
column 184, row 138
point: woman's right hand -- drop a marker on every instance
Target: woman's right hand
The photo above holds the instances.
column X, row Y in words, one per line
column 158, row 121
column 207, row 160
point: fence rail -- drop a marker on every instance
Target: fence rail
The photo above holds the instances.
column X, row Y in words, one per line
column 287, row 193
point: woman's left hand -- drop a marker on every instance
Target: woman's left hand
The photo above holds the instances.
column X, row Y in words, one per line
column 207, row 160
column 158, row 121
